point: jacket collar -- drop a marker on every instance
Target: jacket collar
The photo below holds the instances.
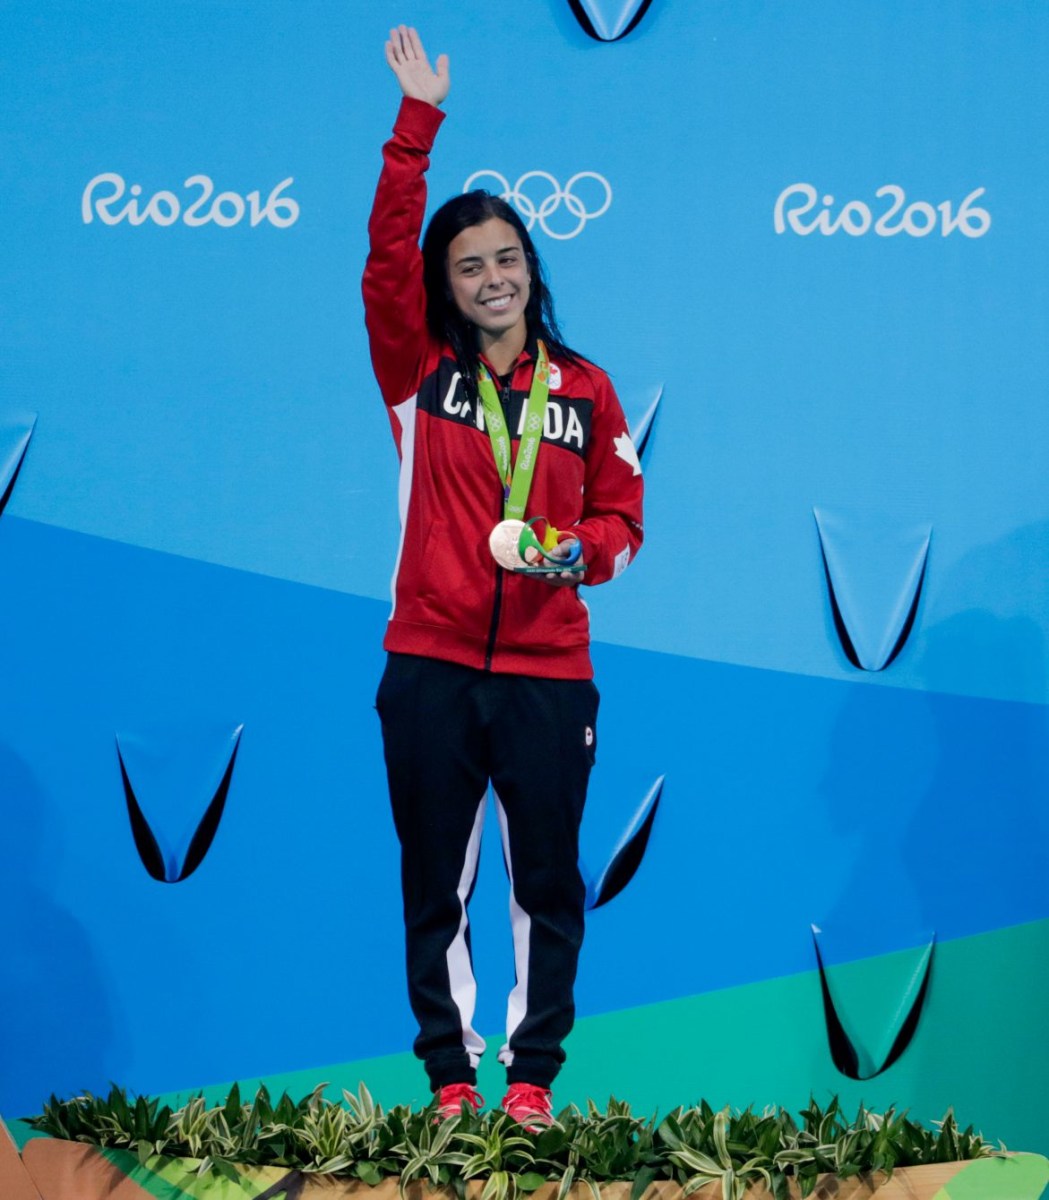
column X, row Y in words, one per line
column 529, row 354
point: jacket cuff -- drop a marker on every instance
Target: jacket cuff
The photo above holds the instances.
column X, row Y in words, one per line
column 417, row 122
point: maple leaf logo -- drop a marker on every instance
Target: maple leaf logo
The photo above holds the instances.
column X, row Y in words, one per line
column 625, row 450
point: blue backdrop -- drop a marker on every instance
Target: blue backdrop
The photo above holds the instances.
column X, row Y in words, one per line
column 814, row 231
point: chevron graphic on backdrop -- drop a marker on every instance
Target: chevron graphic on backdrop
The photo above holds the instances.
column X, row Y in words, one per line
column 875, row 567
column 608, row 20
column 629, row 850
column 882, row 1023
column 175, row 784
column 15, row 431
column 64, row 1170
column 641, row 430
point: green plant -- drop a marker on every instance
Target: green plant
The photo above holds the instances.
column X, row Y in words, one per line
column 504, row 1154
column 594, row 1147
column 735, row 1150
column 113, row 1120
column 719, row 1153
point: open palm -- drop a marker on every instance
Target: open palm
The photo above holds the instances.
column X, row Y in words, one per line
column 408, row 61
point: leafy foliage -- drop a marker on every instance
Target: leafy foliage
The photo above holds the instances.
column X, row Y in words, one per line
column 724, row 1150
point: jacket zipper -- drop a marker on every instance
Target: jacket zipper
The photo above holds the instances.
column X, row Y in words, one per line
column 493, row 628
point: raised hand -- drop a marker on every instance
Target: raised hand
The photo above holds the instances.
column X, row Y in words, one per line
column 408, row 61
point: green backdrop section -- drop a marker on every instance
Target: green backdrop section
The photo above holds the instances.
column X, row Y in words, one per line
column 766, row 1043
column 998, row 1179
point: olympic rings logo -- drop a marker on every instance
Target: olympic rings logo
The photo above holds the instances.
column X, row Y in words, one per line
column 536, row 209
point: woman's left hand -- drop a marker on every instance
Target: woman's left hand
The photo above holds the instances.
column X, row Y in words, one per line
column 564, row 578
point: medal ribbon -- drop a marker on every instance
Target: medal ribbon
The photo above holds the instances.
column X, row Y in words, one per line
column 516, row 475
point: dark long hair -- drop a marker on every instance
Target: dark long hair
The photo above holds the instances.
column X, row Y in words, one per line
column 443, row 317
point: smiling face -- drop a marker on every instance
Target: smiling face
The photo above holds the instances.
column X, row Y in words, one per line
column 490, row 281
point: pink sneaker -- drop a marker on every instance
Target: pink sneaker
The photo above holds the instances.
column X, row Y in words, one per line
column 452, row 1097
column 529, row 1106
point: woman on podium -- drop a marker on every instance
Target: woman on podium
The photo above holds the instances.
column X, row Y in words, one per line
column 518, row 483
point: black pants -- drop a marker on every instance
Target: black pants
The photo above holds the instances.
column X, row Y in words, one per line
column 447, row 731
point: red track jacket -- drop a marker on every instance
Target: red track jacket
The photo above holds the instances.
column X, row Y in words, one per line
column 451, row 600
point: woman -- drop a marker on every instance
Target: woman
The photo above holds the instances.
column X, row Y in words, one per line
column 488, row 678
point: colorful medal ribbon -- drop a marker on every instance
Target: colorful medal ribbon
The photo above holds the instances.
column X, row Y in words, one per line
column 516, row 475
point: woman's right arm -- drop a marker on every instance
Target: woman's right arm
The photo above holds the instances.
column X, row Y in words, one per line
column 394, row 295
